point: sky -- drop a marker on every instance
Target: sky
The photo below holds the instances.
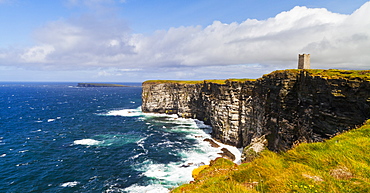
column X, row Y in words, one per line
column 138, row 40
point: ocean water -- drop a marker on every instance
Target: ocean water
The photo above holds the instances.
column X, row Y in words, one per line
column 56, row 137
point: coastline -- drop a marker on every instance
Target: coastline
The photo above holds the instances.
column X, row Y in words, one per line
column 179, row 172
column 286, row 107
column 236, row 152
column 276, row 112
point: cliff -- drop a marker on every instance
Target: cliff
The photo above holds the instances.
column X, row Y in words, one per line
column 285, row 107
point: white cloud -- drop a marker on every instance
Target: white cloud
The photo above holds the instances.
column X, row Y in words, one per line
column 37, row 54
column 104, row 73
column 86, row 41
column 333, row 40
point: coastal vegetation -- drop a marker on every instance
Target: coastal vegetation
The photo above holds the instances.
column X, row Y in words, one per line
column 216, row 81
column 289, row 109
column 329, row 74
column 340, row 164
column 345, row 74
column 332, row 73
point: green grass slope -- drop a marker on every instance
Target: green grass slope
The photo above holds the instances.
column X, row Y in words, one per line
column 340, row 164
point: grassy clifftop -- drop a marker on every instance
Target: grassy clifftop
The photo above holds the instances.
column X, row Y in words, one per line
column 196, row 81
column 345, row 74
column 341, row 164
column 329, row 74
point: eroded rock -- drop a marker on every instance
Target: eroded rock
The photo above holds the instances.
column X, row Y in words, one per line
column 227, row 154
column 213, row 143
column 253, row 150
column 287, row 107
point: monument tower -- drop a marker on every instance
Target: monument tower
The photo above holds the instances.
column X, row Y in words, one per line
column 304, row 61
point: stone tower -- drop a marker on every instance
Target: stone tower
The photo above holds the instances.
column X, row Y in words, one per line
column 304, row 61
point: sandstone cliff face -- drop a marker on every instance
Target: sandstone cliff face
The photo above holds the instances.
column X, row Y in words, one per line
column 286, row 107
column 171, row 98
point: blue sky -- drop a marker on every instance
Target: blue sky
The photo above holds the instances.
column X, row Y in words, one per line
column 137, row 40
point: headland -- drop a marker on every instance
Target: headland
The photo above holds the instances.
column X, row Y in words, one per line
column 100, row 85
column 274, row 113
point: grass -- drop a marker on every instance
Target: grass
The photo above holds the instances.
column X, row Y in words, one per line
column 173, row 81
column 340, row 164
column 345, row 74
column 216, row 81
column 331, row 73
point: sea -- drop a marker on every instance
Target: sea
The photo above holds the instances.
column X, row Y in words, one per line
column 57, row 137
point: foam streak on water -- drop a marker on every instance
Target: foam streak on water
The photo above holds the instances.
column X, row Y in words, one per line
column 56, row 137
column 87, row 142
column 168, row 175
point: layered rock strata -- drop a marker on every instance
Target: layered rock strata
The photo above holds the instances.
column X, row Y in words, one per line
column 286, row 107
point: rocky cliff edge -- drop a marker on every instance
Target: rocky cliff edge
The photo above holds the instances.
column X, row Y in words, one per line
column 284, row 107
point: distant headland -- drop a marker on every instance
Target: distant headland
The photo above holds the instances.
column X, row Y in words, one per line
column 100, row 85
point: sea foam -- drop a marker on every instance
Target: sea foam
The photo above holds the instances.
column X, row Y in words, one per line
column 51, row 120
column 166, row 176
column 172, row 174
column 70, row 184
column 154, row 188
column 87, row 142
column 125, row 112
